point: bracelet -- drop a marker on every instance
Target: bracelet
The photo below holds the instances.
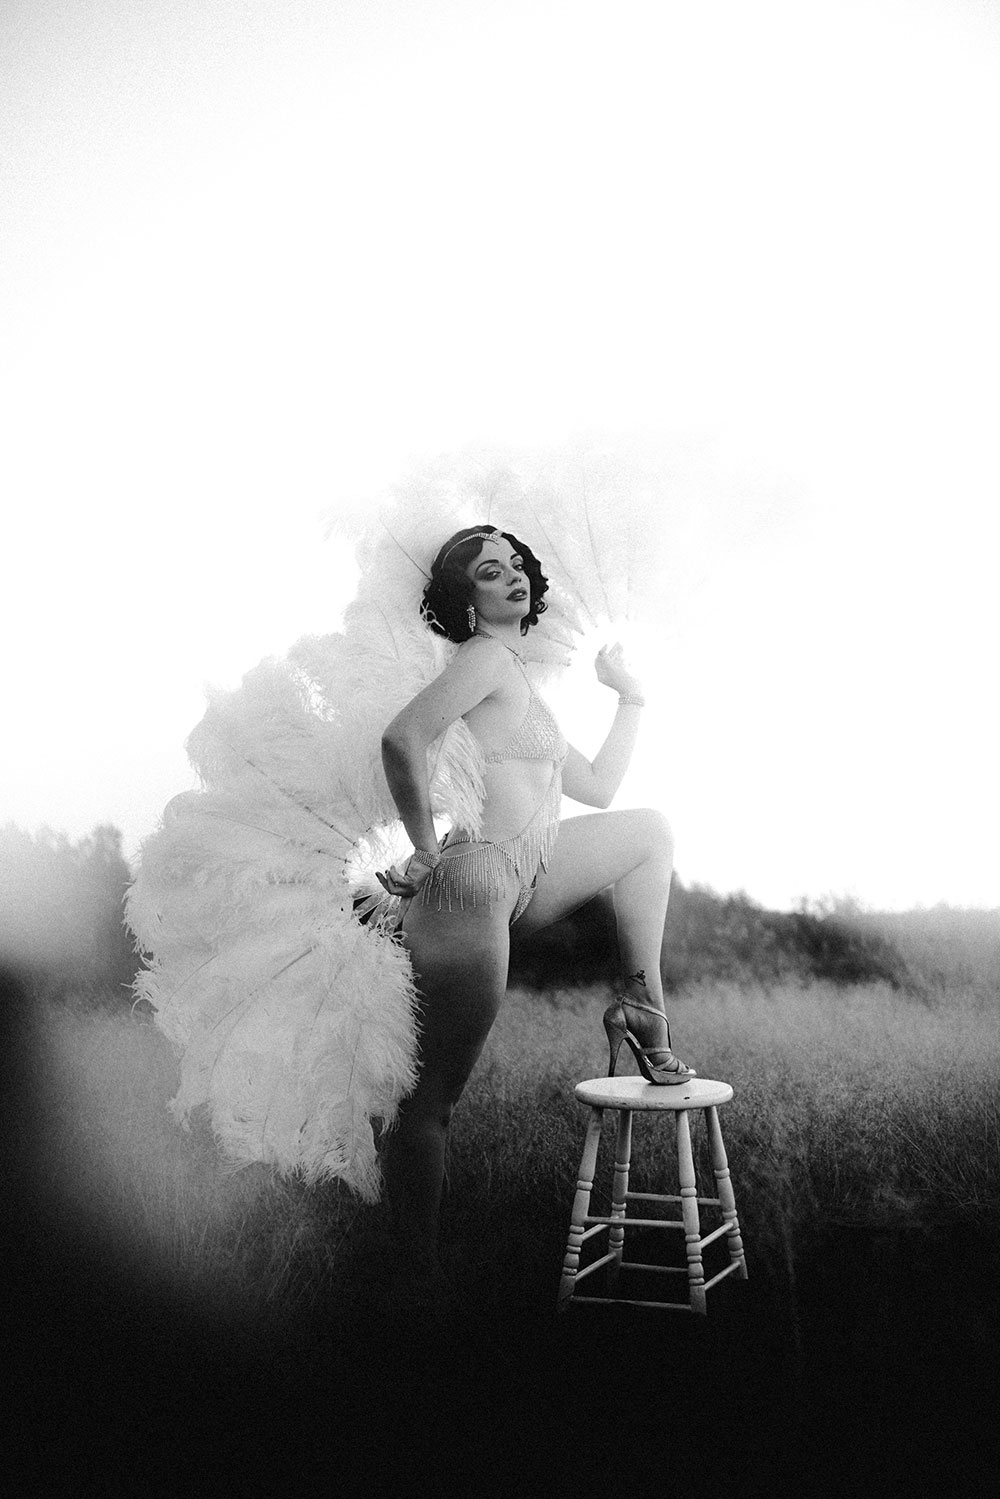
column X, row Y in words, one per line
column 423, row 857
column 631, row 700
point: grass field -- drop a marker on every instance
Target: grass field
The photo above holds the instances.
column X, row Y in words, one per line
column 858, row 1107
column 864, row 1142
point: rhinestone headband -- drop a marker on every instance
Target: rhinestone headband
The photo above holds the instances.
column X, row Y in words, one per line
column 493, row 535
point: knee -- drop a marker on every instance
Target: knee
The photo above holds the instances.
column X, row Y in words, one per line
column 657, row 835
column 433, row 1124
column 428, row 1109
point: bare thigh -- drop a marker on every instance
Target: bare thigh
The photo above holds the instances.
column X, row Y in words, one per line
column 460, row 961
column 591, row 852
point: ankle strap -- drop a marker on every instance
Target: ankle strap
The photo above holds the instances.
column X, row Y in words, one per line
column 637, row 1004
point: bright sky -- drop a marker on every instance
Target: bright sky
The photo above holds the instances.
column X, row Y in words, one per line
column 260, row 255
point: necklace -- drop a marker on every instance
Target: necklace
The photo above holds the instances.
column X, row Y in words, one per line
column 516, row 654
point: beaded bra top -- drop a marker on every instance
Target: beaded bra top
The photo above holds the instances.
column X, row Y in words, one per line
column 537, row 738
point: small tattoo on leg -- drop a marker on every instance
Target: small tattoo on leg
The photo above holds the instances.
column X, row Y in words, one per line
column 640, row 977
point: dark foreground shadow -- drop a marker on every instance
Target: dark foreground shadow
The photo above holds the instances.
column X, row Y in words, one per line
column 882, row 1374
column 156, row 1398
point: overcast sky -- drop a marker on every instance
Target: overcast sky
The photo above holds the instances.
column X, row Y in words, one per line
column 258, row 256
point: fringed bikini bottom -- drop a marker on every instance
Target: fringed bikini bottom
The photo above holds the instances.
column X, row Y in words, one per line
column 480, row 875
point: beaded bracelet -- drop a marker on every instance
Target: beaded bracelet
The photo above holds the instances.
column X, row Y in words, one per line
column 423, row 857
column 631, row 700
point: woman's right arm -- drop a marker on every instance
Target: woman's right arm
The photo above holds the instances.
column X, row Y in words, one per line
column 473, row 675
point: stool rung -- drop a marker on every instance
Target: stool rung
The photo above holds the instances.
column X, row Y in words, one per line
column 708, row 1202
column 590, row 1232
column 664, row 1306
column 715, row 1234
column 605, row 1259
column 660, row 1269
column 733, row 1265
column 637, row 1222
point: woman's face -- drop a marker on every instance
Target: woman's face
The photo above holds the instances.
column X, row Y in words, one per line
column 500, row 591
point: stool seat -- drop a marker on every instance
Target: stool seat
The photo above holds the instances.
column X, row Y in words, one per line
column 636, row 1093
column 684, row 1101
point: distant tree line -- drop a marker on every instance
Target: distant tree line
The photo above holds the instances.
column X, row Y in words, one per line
column 61, row 916
column 710, row 936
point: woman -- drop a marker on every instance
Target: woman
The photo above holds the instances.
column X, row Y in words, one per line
column 460, row 900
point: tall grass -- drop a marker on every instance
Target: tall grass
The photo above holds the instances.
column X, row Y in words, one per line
column 860, row 1106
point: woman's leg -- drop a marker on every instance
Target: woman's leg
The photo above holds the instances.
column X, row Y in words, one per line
column 632, row 851
column 460, row 963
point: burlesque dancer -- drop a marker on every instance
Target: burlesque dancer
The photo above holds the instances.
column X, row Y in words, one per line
column 309, row 1010
column 459, row 899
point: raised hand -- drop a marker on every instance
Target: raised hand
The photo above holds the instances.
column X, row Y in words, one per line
column 611, row 669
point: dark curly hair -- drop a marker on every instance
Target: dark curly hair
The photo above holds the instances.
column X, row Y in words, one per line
column 447, row 595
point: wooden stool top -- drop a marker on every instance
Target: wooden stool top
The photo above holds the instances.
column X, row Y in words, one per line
column 636, row 1093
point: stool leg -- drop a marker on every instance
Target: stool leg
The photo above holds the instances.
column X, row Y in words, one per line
column 616, row 1234
column 581, row 1206
column 724, row 1187
column 689, row 1211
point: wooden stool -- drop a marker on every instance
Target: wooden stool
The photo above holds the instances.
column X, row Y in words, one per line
column 630, row 1095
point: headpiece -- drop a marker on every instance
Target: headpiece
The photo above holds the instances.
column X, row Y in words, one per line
column 493, row 535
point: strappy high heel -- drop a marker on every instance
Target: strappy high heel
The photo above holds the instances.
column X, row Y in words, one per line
column 656, row 1063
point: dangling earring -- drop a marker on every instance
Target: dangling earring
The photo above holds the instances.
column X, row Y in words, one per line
column 470, row 615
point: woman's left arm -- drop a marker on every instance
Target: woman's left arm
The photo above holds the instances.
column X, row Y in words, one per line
column 594, row 782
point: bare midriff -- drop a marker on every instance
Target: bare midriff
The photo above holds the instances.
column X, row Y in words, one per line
column 515, row 789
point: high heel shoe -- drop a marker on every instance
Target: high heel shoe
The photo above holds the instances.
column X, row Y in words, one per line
column 656, row 1063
